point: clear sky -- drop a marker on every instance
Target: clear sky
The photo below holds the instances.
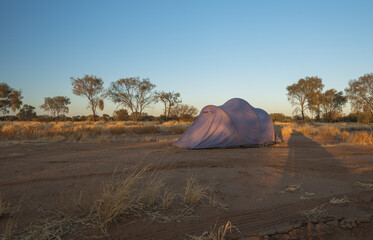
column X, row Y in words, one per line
column 209, row 51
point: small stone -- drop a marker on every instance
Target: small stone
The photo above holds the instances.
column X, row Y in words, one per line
column 363, row 220
column 253, row 238
column 290, row 228
column 297, row 225
column 276, row 236
column 266, row 237
column 272, row 231
column 348, row 225
column 322, row 227
column 284, row 229
column 333, row 223
column 314, row 221
column 349, row 220
column 353, row 224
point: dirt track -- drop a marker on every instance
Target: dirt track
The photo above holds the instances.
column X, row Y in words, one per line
column 250, row 180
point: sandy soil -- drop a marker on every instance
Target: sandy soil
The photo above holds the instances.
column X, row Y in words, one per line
column 251, row 181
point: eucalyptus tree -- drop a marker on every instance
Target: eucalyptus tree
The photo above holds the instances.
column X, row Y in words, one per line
column 9, row 98
column 360, row 93
column 92, row 88
column 134, row 94
column 56, row 105
column 300, row 94
column 170, row 100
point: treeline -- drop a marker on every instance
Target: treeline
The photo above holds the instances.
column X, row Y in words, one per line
column 308, row 96
column 352, row 117
column 133, row 94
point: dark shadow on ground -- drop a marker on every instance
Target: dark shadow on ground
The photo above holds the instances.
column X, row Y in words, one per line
column 308, row 160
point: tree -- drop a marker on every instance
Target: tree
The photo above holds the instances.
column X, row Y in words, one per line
column 184, row 112
column 9, row 98
column 56, row 105
column 169, row 99
column 301, row 93
column 332, row 103
column 280, row 117
column 90, row 87
column 133, row 94
column 360, row 93
column 121, row 115
column 314, row 104
column 26, row 113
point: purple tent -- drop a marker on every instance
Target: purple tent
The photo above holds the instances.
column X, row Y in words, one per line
column 235, row 123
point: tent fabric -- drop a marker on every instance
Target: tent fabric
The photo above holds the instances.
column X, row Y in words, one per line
column 235, row 123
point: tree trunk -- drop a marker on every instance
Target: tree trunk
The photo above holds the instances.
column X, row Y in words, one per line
column 169, row 110
column 165, row 110
column 94, row 114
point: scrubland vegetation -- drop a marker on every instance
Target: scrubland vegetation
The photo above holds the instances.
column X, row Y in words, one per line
column 325, row 133
column 143, row 192
column 86, row 131
column 328, row 133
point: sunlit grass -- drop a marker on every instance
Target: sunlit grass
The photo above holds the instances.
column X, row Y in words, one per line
column 330, row 133
column 216, row 233
column 85, row 131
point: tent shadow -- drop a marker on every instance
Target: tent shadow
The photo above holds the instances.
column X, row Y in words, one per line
column 309, row 161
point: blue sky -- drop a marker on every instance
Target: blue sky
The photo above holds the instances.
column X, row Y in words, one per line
column 209, row 51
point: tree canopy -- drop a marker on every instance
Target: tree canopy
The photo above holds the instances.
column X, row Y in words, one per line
column 302, row 93
column 9, row 98
column 133, row 94
column 332, row 102
column 184, row 112
column 26, row 113
column 56, row 105
column 92, row 88
column 360, row 93
column 169, row 99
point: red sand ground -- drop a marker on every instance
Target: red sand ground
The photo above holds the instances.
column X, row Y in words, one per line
column 250, row 181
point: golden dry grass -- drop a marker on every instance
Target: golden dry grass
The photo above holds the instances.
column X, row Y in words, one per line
column 139, row 192
column 314, row 214
column 368, row 186
column 216, row 234
column 133, row 195
column 45, row 229
column 85, row 131
column 329, row 133
column 342, row 200
column 194, row 192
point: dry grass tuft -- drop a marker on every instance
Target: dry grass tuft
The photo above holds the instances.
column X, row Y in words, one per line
column 139, row 192
column 116, row 201
column 361, row 137
column 303, row 195
column 45, row 229
column 343, row 200
column 215, row 203
column 214, row 234
column 293, row 188
column 168, row 198
column 151, row 188
column 365, row 185
column 314, row 214
column 194, row 192
column 185, row 214
column 4, row 207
